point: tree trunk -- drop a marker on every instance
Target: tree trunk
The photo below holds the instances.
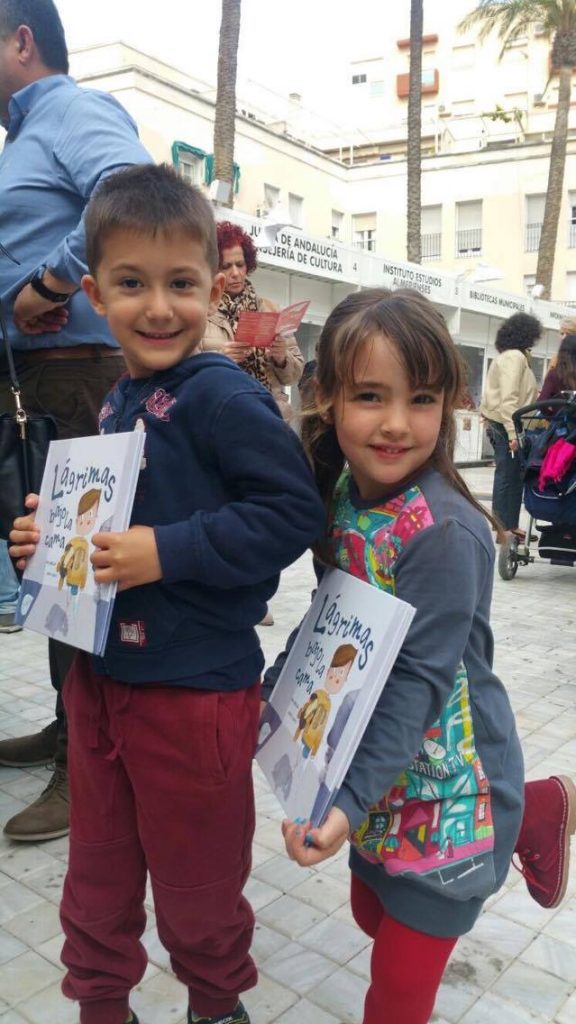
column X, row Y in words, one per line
column 224, row 122
column 414, row 159
column 549, row 235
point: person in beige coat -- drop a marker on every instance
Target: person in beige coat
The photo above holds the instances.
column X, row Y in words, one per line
column 510, row 384
column 275, row 367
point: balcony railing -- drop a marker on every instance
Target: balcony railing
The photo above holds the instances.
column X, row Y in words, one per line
column 366, row 244
column 469, row 242
column 532, row 241
column 431, row 246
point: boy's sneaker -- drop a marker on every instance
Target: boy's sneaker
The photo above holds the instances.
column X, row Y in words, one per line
column 238, row 1016
column 543, row 846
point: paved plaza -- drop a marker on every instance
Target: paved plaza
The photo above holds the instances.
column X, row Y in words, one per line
column 519, row 963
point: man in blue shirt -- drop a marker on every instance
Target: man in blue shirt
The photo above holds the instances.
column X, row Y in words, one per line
column 61, row 141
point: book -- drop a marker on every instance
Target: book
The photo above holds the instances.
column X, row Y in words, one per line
column 259, row 328
column 88, row 487
column 327, row 690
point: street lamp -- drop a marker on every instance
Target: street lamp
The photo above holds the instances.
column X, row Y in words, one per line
column 270, row 225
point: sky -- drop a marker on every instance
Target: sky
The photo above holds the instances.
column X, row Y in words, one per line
column 288, row 46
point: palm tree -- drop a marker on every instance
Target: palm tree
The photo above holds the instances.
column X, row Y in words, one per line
column 511, row 19
column 414, row 158
column 225, row 119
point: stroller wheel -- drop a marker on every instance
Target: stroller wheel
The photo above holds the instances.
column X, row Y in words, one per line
column 508, row 559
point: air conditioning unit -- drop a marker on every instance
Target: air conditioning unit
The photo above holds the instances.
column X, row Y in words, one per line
column 443, row 110
column 538, row 99
column 263, row 210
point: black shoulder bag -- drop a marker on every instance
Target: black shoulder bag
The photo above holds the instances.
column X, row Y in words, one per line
column 24, row 441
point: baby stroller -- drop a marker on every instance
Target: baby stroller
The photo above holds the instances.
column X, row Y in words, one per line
column 546, row 433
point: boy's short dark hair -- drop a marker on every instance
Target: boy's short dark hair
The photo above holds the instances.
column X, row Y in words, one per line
column 44, row 22
column 148, row 199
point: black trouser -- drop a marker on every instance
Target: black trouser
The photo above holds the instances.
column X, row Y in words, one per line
column 70, row 390
column 60, row 658
column 507, row 486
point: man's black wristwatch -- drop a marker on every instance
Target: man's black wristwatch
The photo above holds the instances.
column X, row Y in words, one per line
column 42, row 289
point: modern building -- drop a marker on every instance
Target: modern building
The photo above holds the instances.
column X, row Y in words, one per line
column 340, row 210
column 487, row 120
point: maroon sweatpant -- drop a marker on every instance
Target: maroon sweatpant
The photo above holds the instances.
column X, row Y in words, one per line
column 161, row 780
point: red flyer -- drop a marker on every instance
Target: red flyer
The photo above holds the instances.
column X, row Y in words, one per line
column 258, row 329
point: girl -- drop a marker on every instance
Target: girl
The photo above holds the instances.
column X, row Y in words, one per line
column 432, row 802
column 562, row 376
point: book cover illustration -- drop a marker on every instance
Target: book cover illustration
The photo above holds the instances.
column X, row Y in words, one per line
column 327, row 691
column 88, row 487
column 258, row 328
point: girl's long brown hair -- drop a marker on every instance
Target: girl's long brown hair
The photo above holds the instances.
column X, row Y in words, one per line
column 431, row 360
column 566, row 365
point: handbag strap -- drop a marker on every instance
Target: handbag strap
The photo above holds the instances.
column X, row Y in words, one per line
column 20, row 415
column 15, row 384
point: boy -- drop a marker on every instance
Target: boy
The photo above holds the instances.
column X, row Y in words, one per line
column 163, row 728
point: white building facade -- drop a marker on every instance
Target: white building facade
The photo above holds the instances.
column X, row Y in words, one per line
column 344, row 212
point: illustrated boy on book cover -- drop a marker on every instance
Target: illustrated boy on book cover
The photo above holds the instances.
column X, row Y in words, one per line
column 72, row 567
column 314, row 714
column 312, row 720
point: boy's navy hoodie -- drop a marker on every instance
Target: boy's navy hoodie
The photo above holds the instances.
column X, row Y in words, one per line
column 226, row 486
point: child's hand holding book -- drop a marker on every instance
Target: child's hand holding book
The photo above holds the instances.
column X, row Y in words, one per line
column 308, row 846
column 129, row 559
column 25, row 535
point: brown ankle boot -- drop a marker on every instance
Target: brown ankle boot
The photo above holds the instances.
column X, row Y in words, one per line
column 47, row 817
column 30, row 751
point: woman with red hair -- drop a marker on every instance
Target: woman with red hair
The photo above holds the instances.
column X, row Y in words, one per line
column 275, row 367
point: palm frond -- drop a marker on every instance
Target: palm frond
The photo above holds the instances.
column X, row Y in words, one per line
column 510, row 19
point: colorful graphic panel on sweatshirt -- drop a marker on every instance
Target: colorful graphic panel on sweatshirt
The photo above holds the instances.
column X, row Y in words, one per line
column 435, row 824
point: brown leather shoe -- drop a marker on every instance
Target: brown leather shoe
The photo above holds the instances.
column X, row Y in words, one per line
column 30, row 751
column 47, row 817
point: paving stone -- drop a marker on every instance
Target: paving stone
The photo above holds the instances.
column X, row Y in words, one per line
column 517, row 966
